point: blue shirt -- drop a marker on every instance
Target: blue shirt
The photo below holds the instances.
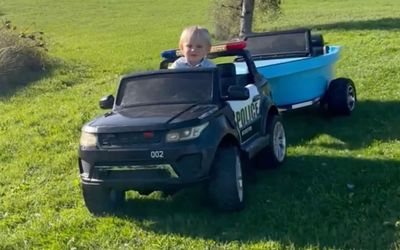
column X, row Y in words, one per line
column 182, row 63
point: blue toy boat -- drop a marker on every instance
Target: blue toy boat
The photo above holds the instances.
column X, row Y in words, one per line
column 299, row 81
column 300, row 69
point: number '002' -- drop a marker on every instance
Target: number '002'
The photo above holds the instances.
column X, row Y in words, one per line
column 157, row 154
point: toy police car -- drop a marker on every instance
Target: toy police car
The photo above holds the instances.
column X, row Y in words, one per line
column 172, row 128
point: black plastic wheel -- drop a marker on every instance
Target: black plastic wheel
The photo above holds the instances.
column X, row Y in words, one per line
column 341, row 96
column 226, row 183
column 100, row 200
column 274, row 154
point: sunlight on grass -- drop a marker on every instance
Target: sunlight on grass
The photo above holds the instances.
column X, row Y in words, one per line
column 338, row 188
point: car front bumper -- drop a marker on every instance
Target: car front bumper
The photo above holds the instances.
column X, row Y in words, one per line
column 146, row 168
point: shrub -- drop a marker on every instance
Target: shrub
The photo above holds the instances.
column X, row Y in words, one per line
column 22, row 55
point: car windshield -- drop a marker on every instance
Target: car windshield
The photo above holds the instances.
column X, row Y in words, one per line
column 166, row 88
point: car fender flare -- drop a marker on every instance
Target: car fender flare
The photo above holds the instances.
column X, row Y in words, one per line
column 268, row 110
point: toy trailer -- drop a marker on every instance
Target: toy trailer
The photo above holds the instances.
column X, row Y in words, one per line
column 300, row 70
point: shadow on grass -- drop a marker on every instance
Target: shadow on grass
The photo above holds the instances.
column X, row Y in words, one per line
column 370, row 121
column 11, row 83
column 312, row 201
column 378, row 24
column 323, row 201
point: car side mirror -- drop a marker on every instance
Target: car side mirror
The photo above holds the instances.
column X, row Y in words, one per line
column 106, row 102
column 238, row 93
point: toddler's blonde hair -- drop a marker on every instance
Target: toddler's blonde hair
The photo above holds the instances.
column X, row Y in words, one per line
column 195, row 32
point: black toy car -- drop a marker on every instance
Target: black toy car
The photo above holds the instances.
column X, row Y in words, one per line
column 172, row 128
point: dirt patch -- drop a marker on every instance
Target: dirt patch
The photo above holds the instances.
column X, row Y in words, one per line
column 22, row 57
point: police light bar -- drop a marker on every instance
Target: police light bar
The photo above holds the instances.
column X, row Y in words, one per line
column 229, row 46
column 175, row 53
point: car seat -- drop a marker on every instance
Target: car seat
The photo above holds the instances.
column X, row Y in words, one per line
column 227, row 76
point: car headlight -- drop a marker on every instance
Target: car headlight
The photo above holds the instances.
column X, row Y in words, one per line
column 185, row 133
column 88, row 139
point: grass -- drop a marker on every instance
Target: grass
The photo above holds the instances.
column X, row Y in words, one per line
column 338, row 189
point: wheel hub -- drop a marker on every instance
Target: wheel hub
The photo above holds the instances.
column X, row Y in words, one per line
column 239, row 178
column 351, row 98
column 279, row 141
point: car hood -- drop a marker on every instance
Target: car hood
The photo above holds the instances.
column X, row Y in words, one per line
column 146, row 118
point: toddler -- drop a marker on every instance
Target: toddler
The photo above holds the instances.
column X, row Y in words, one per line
column 194, row 44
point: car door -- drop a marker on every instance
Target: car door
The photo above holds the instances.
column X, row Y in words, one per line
column 247, row 114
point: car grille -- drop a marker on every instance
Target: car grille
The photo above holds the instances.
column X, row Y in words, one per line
column 109, row 140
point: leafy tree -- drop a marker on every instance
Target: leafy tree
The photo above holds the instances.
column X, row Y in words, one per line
column 234, row 18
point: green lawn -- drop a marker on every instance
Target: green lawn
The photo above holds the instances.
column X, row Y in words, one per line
column 338, row 189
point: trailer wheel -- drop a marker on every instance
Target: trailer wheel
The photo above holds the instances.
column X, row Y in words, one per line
column 274, row 154
column 226, row 183
column 100, row 200
column 341, row 96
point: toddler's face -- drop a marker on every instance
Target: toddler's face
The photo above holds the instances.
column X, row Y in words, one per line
column 195, row 51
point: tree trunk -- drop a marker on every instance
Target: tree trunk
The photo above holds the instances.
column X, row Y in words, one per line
column 246, row 18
